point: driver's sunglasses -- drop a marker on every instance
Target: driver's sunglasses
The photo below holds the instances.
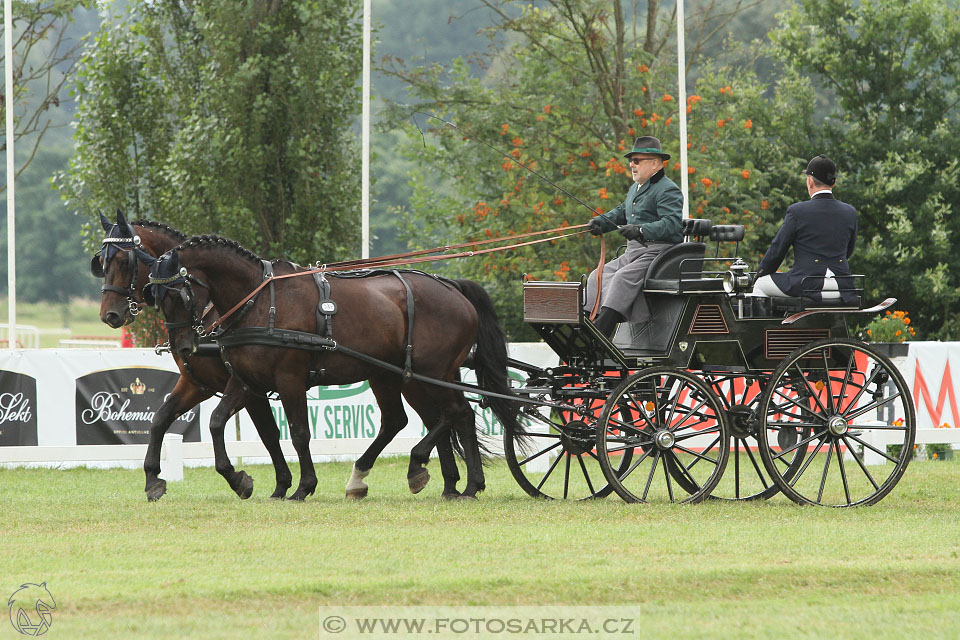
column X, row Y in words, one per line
column 636, row 160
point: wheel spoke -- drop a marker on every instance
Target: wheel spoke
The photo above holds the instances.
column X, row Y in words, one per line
column 698, row 456
column 866, row 384
column 826, row 468
column 753, row 460
column 870, row 407
column 806, row 384
column 863, row 467
column 736, row 467
column 784, row 452
column 549, row 471
column 653, row 470
column 843, row 473
column 808, row 460
column 566, row 476
column 636, row 464
column 586, row 475
column 874, row 449
column 666, row 474
column 798, row 405
column 826, row 369
column 537, row 455
column 846, row 377
column 697, row 433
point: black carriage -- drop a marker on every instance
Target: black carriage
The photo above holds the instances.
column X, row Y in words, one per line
column 720, row 394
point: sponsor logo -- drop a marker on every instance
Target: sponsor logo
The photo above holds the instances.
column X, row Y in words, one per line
column 138, row 388
column 18, row 414
column 31, row 608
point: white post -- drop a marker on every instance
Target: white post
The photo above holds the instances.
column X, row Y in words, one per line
column 171, row 462
column 365, row 138
column 682, row 103
column 11, row 174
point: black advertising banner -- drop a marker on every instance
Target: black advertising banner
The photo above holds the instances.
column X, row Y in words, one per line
column 18, row 409
column 116, row 406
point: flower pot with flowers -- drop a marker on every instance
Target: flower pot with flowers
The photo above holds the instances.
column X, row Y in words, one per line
column 890, row 332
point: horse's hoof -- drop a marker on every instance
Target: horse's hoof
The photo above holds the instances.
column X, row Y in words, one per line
column 451, row 496
column 418, row 480
column 279, row 493
column 298, row 496
column 465, row 497
column 357, row 494
column 156, row 490
column 244, row 487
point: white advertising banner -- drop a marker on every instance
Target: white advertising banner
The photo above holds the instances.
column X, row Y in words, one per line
column 77, row 397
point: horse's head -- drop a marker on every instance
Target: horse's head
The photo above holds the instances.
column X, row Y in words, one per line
column 118, row 263
column 182, row 297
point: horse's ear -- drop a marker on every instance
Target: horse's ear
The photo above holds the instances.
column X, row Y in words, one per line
column 147, row 294
column 96, row 267
column 121, row 220
column 104, row 221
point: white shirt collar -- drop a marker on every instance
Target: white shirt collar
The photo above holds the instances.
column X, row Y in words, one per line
column 830, row 191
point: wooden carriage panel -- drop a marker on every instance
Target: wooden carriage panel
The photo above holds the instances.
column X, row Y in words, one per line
column 551, row 302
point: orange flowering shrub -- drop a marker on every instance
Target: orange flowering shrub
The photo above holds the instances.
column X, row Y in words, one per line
column 891, row 327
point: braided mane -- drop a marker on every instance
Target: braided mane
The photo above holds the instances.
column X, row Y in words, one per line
column 210, row 241
column 179, row 235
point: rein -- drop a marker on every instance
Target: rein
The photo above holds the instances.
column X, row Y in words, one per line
column 389, row 262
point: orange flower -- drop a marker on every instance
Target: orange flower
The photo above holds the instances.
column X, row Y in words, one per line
column 676, row 165
column 764, row 205
column 517, row 141
column 703, row 148
column 643, row 122
column 726, row 209
column 707, row 182
column 540, row 118
column 721, row 122
column 643, row 88
column 516, row 153
column 691, row 170
column 746, row 174
column 631, row 131
column 638, row 112
column 557, row 201
column 593, row 165
column 642, row 68
column 503, row 129
column 507, row 166
column 667, row 97
column 748, row 124
column 547, row 109
column 669, row 120
column 603, row 193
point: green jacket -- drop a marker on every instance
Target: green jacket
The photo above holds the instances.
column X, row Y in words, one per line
column 656, row 205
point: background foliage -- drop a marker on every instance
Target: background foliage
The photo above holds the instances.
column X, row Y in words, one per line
column 224, row 118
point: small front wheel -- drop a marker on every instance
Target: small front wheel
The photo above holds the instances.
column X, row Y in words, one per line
column 672, row 426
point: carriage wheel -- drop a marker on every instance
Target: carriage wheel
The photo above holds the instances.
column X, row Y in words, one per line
column 672, row 425
column 844, row 411
column 748, row 478
column 558, row 458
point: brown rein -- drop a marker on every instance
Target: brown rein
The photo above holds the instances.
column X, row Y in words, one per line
column 399, row 259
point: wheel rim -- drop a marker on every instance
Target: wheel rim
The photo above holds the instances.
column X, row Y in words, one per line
column 672, row 425
column 845, row 413
column 558, row 460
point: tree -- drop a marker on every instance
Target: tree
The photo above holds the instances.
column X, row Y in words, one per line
column 566, row 99
column 225, row 118
column 43, row 61
column 893, row 68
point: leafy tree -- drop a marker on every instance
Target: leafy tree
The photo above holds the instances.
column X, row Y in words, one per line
column 583, row 78
column 226, row 118
column 893, row 68
column 43, row 61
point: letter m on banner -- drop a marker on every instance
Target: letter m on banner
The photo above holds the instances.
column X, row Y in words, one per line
column 923, row 398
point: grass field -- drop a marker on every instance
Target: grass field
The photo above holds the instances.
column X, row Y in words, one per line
column 82, row 318
column 203, row 564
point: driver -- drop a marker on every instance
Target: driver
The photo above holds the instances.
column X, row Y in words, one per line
column 650, row 218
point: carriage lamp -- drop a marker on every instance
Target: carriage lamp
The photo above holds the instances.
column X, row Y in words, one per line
column 736, row 280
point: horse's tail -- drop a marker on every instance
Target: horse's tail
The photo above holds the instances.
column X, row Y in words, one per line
column 490, row 359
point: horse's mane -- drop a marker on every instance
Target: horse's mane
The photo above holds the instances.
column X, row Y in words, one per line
column 179, row 235
column 211, row 241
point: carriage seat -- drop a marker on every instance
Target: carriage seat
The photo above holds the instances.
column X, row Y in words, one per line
column 682, row 261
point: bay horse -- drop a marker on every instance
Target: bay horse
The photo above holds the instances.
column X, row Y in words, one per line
column 124, row 262
column 370, row 313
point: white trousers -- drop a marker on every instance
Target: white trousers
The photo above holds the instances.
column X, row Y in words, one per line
column 766, row 287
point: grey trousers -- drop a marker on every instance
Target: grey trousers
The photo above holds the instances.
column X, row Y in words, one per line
column 622, row 280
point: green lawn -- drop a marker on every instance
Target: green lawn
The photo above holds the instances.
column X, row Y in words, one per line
column 203, row 564
column 79, row 318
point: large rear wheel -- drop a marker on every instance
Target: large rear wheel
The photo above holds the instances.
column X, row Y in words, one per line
column 844, row 413
column 670, row 426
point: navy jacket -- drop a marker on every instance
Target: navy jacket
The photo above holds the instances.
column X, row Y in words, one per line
column 823, row 233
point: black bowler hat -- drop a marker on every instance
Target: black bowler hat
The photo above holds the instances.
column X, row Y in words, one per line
column 647, row 144
column 823, row 169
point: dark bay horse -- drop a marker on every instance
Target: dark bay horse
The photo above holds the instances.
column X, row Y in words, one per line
column 124, row 264
column 372, row 315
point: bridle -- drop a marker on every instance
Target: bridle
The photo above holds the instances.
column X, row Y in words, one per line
column 160, row 285
column 134, row 256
